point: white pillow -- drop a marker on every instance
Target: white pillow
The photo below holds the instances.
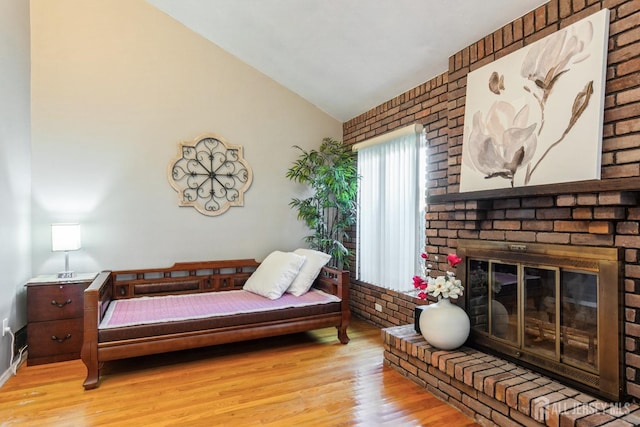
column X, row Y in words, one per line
column 274, row 275
column 309, row 271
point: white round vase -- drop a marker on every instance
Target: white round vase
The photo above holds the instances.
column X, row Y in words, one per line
column 444, row 325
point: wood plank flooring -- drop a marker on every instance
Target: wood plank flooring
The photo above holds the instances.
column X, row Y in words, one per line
column 298, row 380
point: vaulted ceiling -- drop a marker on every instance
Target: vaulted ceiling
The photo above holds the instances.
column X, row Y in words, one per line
column 346, row 56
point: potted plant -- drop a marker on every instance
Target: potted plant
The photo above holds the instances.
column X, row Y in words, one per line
column 332, row 174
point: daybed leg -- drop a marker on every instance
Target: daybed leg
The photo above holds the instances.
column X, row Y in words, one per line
column 93, row 370
column 342, row 334
column 91, row 381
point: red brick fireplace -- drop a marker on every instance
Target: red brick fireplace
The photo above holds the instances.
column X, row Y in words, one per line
column 603, row 213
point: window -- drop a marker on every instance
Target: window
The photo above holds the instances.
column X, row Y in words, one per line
column 391, row 209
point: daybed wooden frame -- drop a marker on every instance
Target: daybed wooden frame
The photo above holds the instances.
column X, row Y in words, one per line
column 193, row 277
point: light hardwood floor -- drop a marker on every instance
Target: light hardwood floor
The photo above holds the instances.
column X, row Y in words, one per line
column 298, row 380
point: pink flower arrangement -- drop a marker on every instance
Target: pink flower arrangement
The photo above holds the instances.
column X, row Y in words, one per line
column 446, row 286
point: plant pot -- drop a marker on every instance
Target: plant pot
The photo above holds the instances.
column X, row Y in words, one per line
column 444, row 325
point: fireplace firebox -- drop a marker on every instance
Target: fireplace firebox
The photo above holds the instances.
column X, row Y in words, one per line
column 552, row 308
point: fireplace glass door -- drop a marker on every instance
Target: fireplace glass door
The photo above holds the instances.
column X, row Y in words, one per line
column 578, row 319
column 550, row 312
column 556, row 309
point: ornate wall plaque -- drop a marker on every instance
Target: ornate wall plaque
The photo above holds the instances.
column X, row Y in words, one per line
column 210, row 174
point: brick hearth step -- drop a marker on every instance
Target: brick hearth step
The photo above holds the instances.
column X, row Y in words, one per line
column 496, row 392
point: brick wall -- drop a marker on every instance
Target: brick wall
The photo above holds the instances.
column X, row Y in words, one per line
column 606, row 214
column 425, row 104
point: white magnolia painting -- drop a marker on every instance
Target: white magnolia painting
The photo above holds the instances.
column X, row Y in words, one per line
column 535, row 116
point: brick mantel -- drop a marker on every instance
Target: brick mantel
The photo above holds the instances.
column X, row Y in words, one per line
column 625, row 187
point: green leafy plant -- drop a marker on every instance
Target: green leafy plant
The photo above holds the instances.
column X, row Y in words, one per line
column 332, row 174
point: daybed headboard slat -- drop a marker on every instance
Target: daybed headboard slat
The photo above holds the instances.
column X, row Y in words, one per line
column 186, row 277
column 168, row 286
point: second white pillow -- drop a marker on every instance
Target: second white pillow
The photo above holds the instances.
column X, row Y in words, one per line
column 309, row 271
column 274, row 275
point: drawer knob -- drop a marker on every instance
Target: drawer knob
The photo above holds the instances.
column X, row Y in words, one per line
column 60, row 340
column 60, row 305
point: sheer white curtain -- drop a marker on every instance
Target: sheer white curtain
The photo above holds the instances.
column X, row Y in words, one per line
column 391, row 210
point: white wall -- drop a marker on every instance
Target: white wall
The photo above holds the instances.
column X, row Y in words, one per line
column 116, row 85
column 15, row 169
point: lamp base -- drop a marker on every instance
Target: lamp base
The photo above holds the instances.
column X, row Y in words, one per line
column 66, row 275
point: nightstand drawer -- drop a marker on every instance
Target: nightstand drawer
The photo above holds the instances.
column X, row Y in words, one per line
column 59, row 337
column 53, row 302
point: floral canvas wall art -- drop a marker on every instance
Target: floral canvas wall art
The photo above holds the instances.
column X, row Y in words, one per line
column 534, row 116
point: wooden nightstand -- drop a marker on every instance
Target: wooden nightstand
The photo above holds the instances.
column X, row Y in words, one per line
column 55, row 317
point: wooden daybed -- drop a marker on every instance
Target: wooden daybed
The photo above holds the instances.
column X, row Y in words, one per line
column 103, row 344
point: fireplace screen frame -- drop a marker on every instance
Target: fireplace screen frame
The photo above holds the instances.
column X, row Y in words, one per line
column 606, row 381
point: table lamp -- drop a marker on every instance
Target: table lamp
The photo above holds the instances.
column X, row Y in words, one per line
column 65, row 237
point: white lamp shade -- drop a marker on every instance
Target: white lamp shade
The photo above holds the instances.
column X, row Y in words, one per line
column 65, row 237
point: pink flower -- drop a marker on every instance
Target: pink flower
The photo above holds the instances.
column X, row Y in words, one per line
column 445, row 286
column 453, row 260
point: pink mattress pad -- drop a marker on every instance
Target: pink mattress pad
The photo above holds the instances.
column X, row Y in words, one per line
column 173, row 308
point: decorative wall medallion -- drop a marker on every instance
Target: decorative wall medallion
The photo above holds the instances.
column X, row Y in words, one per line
column 210, row 174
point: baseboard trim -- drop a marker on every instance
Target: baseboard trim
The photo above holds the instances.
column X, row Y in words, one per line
column 22, row 357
